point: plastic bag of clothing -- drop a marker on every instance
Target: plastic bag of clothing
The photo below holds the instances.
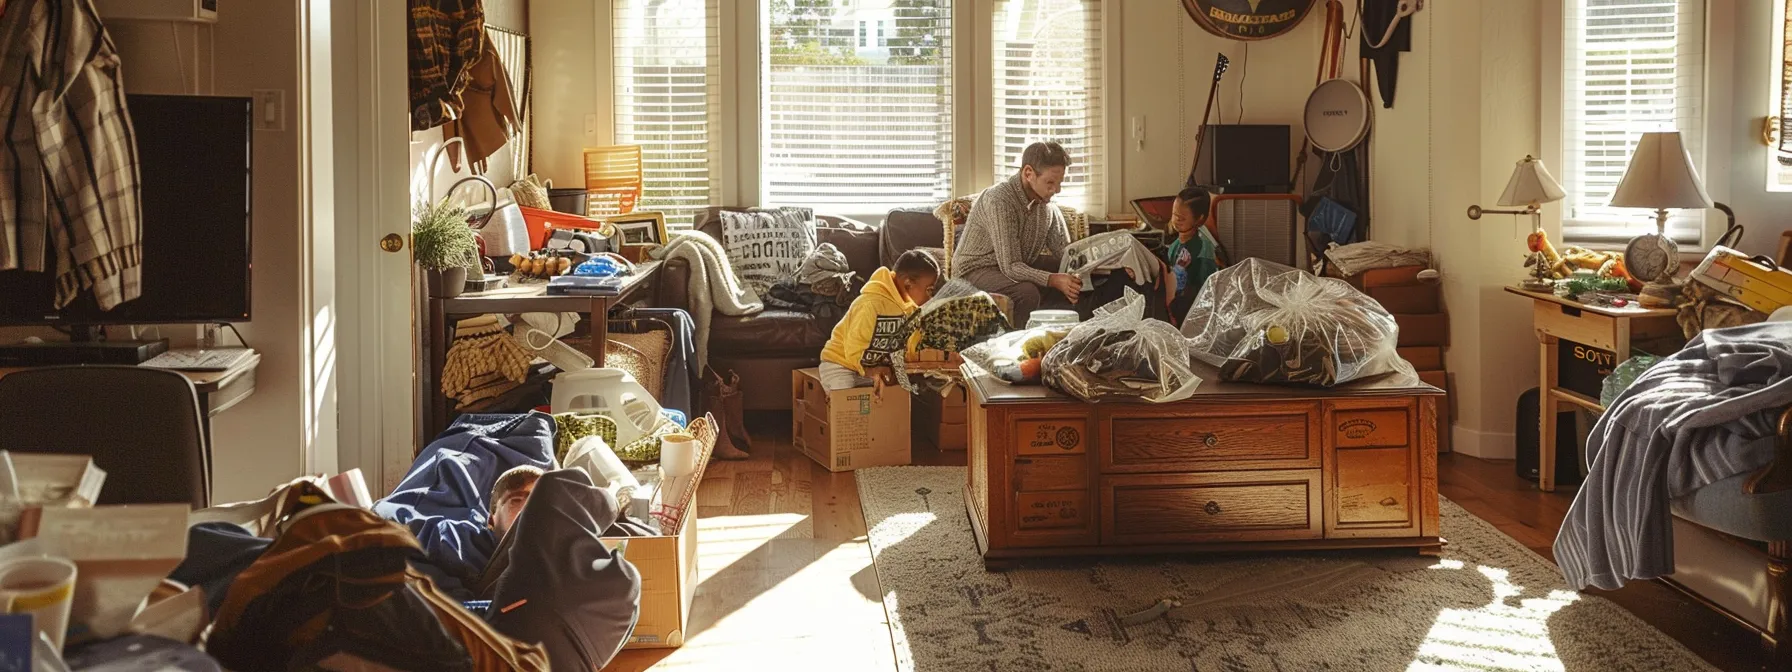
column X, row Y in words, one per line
column 1015, row 357
column 1120, row 355
column 1622, row 376
column 1262, row 322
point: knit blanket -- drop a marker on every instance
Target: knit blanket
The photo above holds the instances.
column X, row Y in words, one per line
column 713, row 285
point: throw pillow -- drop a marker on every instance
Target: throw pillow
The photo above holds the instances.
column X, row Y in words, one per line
column 766, row 246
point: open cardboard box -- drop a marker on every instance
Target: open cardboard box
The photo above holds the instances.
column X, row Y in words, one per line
column 668, row 563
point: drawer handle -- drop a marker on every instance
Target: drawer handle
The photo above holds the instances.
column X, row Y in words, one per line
column 1212, row 508
column 1390, row 501
column 1211, row 440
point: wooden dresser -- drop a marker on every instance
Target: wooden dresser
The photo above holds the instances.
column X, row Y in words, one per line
column 1235, row 468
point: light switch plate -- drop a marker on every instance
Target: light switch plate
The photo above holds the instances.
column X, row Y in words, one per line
column 270, row 109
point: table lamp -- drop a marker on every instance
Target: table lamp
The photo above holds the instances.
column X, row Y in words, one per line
column 1531, row 186
column 1660, row 176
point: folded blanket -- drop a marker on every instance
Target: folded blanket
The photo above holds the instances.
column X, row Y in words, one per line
column 1356, row 258
column 713, row 285
column 1691, row 420
column 443, row 499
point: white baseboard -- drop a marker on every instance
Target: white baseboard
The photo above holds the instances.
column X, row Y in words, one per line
column 1485, row 445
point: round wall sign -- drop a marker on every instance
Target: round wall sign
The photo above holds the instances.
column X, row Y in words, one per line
column 1248, row 19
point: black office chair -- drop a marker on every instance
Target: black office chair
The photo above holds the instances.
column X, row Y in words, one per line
column 141, row 425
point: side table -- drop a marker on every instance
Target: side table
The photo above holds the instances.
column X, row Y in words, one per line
column 1604, row 327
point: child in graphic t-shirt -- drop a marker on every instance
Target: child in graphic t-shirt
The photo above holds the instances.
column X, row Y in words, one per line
column 1191, row 251
column 858, row 352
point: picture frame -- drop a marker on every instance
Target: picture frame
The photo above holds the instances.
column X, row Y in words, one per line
column 641, row 228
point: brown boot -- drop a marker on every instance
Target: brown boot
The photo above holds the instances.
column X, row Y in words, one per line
column 715, row 404
column 734, row 403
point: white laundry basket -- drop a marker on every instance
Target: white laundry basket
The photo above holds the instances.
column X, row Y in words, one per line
column 612, row 393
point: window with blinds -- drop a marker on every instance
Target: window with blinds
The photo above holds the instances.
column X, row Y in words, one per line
column 857, row 103
column 667, row 71
column 1631, row 66
column 1046, row 66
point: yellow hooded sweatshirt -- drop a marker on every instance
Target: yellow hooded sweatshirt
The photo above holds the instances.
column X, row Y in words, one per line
column 867, row 335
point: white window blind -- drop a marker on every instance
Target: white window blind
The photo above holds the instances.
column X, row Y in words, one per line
column 1631, row 66
column 857, row 113
column 667, row 71
column 1047, row 69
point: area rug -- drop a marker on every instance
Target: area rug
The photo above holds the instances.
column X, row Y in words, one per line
column 1487, row 604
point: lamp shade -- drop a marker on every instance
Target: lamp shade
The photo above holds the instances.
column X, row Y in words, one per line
column 1531, row 183
column 1661, row 176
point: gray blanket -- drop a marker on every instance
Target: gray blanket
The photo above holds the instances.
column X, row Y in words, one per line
column 1689, row 421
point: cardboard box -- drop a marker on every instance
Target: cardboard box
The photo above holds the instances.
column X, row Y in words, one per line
column 941, row 421
column 1379, row 277
column 668, row 563
column 1424, row 357
column 1426, row 329
column 847, row 429
column 1417, row 299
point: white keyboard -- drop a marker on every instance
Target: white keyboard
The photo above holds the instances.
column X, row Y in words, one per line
column 193, row 359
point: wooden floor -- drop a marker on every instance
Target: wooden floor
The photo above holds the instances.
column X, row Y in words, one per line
column 786, row 580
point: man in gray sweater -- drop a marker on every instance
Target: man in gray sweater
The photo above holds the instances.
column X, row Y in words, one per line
column 1014, row 237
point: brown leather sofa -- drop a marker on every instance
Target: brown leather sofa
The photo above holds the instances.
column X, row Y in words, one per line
column 764, row 348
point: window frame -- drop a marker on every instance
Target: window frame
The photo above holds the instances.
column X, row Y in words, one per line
column 740, row 133
column 1554, row 99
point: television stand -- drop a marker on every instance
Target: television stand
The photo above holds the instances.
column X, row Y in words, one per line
column 34, row 352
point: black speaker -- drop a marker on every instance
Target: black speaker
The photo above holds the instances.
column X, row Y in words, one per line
column 1249, row 158
column 1530, row 425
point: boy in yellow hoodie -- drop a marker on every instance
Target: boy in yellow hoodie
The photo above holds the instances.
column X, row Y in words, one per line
column 858, row 352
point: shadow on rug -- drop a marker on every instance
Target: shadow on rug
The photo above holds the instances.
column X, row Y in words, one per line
column 1487, row 604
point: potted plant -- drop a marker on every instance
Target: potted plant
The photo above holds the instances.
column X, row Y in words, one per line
column 445, row 246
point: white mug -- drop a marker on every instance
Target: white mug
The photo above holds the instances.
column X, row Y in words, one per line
column 43, row 587
column 678, row 455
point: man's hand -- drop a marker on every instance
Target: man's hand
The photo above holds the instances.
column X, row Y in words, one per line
column 881, row 377
column 1070, row 285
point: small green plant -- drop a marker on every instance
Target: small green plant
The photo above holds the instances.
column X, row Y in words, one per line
column 441, row 239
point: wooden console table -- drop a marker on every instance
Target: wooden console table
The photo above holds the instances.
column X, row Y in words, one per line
column 1607, row 328
column 512, row 300
column 1235, row 468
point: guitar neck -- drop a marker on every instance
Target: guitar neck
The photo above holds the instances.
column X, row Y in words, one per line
column 1201, row 132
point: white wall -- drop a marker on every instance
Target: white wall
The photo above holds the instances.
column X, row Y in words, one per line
column 1743, row 77
column 261, row 442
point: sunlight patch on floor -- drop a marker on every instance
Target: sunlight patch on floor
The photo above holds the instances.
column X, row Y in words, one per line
column 901, row 526
column 1498, row 635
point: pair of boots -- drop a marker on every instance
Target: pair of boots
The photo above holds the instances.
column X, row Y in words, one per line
column 722, row 400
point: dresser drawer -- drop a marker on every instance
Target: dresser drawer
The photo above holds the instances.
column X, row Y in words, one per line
column 1211, row 438
column 1148, row 509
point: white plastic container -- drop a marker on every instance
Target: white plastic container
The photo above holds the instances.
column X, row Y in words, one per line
column 598, row 460
column 1043, row 318
column 612, row 393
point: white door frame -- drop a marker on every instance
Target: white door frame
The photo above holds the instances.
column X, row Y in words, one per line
column 376, row 403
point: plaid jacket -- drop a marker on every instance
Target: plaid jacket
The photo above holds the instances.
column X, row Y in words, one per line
column 445, row 41
column 68, row 175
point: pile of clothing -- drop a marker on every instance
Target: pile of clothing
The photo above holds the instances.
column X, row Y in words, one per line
column 824, row 286
column 394, row 583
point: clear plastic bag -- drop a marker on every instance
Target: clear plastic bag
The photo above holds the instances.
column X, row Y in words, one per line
column 1014, row 357
column 1622, row 376
column 1262, row 322
column 1120, row 355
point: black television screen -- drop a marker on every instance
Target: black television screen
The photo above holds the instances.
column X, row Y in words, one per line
column 194, row 153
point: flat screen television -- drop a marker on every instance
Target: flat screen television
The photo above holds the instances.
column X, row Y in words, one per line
column 194, row 153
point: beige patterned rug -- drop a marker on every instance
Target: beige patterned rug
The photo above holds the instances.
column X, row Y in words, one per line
column 1487, row 604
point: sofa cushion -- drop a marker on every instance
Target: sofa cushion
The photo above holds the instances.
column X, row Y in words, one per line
column 907, row 229
column 1723, row 507
column 858, row 242
column 770, row 333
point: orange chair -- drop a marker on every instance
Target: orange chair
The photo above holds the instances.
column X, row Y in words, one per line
column 612, row 180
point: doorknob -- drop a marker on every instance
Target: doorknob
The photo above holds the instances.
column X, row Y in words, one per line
column 392, row 242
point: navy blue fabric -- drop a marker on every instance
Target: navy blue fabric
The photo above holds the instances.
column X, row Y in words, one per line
column 680, row 390
column 216, row 554
column 443, row 498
